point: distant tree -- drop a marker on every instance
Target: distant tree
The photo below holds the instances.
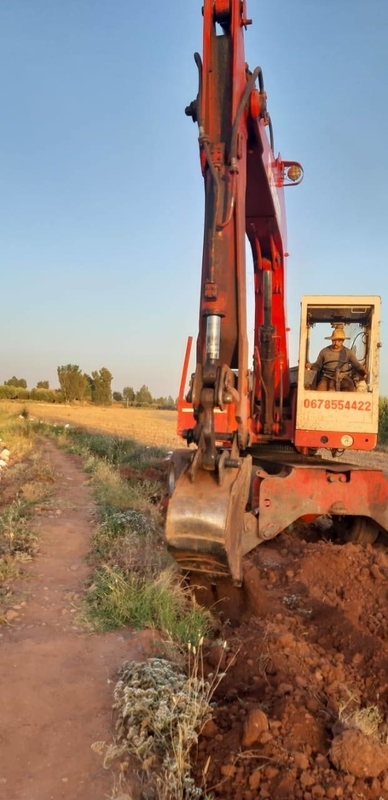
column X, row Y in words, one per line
column 143, row 397
column 117, row 397
column 128, row 395
column 88, row 387
column 74, row 384
column 165, row 402
column 16, row 382
column 101, row 386
column 42, row 385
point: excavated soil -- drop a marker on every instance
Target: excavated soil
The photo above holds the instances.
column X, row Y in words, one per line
column 309, row 651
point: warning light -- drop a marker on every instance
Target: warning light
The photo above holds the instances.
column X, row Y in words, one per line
column 294, row 172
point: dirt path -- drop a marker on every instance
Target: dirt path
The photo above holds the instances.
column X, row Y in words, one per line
column 55, row 680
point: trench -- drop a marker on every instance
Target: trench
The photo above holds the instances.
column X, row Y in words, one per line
column 302, row 640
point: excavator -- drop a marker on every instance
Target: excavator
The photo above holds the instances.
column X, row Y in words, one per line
column 262, row 438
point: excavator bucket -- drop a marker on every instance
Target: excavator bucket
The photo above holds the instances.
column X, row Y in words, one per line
column 205, row 521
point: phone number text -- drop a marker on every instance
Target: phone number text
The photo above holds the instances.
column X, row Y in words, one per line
column 340, row 405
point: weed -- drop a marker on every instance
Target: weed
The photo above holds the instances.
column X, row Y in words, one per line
column 18, row 542
column 111, row 489
column 368, row 720
column 129, row 540
column 16, row 535
column 40, row 469
column 161, row 710
column 9, row 570
column 40, row 479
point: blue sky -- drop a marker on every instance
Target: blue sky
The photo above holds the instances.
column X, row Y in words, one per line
column 101, row 202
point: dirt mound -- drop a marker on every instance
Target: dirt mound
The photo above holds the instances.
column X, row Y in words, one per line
column 302, row 709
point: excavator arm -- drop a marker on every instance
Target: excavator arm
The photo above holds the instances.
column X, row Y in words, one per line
column 232, row 405
column 243, row 195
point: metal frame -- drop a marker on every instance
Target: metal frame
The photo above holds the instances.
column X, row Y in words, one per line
column 331, row 419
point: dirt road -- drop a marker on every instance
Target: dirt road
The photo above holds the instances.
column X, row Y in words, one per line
column 55, row 681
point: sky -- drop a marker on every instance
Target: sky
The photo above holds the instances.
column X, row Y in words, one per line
column 101, row 201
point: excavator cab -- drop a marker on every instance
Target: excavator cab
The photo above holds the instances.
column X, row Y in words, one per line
column 338, row 398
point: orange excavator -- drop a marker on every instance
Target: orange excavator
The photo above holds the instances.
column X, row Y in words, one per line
column 260, row 434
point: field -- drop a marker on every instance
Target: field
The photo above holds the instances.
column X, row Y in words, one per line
column 149, row 426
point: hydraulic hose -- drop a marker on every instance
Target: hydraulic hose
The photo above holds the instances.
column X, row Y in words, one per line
column 204, row 142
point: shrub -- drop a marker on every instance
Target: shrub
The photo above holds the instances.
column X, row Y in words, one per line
column 8, row 392
column 45, row 395
column 383, row 420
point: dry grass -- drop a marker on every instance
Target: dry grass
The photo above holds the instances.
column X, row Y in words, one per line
column 27, row 481
column 161, row 708
column 367, row 720
column 148, row 425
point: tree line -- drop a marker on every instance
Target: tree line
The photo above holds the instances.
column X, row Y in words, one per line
column 96, row 388
column 77, row 385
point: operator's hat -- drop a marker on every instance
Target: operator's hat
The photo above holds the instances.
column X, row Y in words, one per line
column 338, row 333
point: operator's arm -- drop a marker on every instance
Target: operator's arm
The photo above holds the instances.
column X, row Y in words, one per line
column 318, row 364
column 355, row 363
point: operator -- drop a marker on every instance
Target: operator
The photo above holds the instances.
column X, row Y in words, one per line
column 334, row 365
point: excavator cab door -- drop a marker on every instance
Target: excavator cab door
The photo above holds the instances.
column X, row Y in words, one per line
column 337, row 406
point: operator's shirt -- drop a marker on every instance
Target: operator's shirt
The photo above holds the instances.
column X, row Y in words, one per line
column 329, row 360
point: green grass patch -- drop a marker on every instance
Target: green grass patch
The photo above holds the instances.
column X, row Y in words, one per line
column 113, row 490
column 115, row 599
